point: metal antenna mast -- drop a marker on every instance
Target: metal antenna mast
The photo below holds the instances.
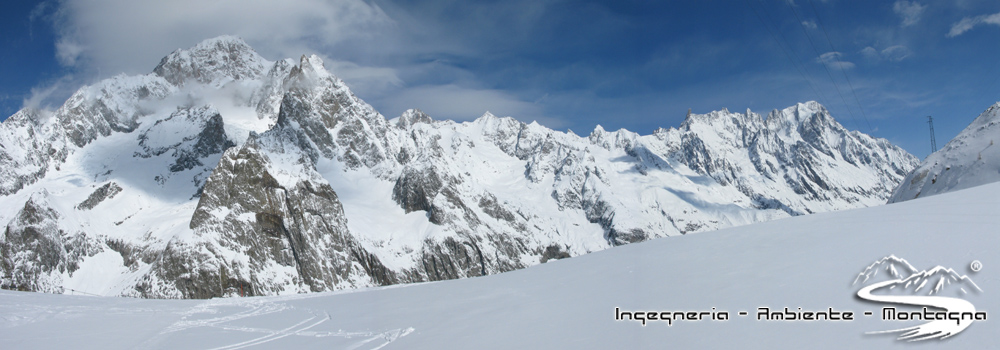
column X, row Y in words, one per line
column 930, row 121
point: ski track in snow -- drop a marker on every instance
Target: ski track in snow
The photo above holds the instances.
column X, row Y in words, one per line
column 257, row 310
column 275, row 335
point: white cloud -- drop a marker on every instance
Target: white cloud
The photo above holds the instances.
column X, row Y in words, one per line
column 364, row 80
column 841, row 65
column 359, row 42
column 50, row 95
column 871, row 53
column 99, row 38
column 968, row 23
column 832, row 59
column 394, row 55
column 895, row 53
column 131, row 36
column 909, row 11
column 809, row 24
column 68, row 52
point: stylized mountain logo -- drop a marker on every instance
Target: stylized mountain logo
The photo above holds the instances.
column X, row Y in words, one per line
column 936, row 281
column 898, row 282
column 887, row 268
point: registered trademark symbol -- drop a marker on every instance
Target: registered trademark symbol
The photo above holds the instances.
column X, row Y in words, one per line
column 976, row 266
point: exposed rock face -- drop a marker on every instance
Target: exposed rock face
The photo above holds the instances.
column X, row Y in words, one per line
column 113, row 105
column 412, row 116
column 553, row 252
column 267, row 100
column 285, row 234
column 35, row 251
column 109, row 190
column 211, row 140
column 222, row 173
column 415, row 190
column 325, row 119
column 27, row 151
column 187, row 134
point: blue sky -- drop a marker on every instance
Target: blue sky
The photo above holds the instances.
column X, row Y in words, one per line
column 880, row 67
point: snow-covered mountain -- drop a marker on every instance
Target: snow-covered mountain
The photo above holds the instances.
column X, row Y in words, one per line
column 222, row 172
column 968, row 160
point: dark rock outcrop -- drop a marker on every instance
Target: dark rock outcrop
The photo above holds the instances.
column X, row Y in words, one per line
column 108, row 191
column 34, row 246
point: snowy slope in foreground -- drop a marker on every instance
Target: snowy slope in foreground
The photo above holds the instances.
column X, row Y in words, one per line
column 968, row 160
column 807, row 262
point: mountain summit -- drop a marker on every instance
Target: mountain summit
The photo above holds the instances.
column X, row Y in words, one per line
column 223, row 173
column 214, row 61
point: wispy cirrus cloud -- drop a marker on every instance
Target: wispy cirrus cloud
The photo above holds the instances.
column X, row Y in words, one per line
column 967, row 23
column 895, row 53
column 833, row 60
column 49, row 93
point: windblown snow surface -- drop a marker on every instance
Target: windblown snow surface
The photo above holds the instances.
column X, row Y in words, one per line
column 807, row 261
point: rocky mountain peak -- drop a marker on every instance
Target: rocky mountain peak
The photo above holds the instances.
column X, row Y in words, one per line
column 789, row 120
column 310, row 72
column 411, row 117
column 24, row 117
column 620, row 138
column 214, row 62
column 802, row 113
column 492, row 123
column 722, row 121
